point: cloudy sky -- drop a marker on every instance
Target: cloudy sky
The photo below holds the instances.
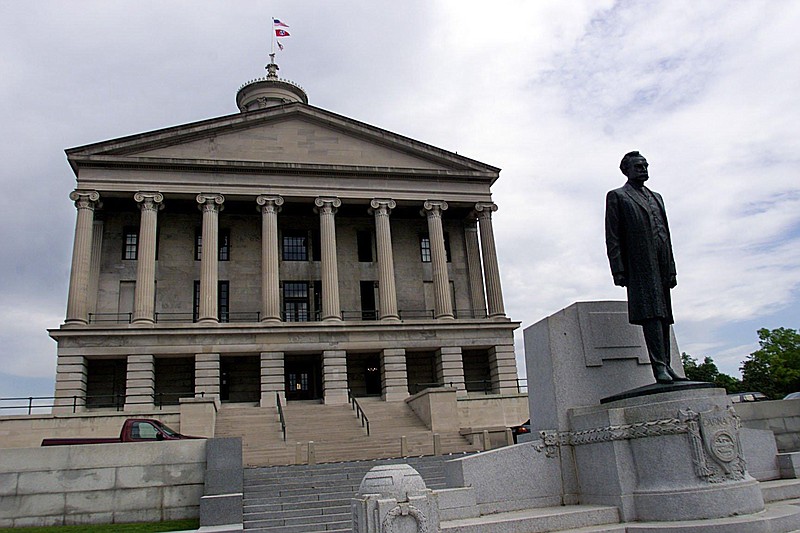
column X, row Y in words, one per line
column 552, row 92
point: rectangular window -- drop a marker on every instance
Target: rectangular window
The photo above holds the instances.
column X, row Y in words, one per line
column 364, row 241
column 223, row 301
column 295, row 301
column 425, row 247
column 316, row 246
column 130, row 243
column 295, row 247
column 224, row 253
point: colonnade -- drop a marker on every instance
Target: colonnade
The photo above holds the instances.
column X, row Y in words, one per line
column 481, row 259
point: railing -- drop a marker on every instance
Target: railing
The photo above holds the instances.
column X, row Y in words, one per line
column 297, row 316
column 359, row 411
column 482, row 385
column 95, row 401
column 280, row 415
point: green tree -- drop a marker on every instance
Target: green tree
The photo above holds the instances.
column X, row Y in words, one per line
column 707, row 371
column 774, row 369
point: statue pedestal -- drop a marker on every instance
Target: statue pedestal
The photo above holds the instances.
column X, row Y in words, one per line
column 663, row 457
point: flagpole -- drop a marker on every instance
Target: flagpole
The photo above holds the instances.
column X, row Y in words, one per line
column 272, row 40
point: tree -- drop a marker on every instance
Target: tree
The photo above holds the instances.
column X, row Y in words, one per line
column 707, row 371
column 774, row 369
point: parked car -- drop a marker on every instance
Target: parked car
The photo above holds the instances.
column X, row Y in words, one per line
column 521, row 429
column 792, row 396
column 739, row 397
column 133, row 430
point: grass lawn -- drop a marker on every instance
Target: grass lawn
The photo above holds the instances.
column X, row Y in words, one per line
column 154, row 527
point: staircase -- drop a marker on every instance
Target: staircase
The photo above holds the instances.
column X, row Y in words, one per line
column 308, row 498
column 335, row 430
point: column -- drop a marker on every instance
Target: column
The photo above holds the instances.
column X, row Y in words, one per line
column 94, row 269
column 503, row 368
column 270, row 280
column 150, row 203
column 394, row 377
column 70, row 390
column 474, row 268
column 326, row 207
column 443, row 306
column 210, row 205
column 387, row 293
column 334, row 377
column 272, row 378
column 140, row 383
column 206, row 374
column 450, row 368
column 494, row 294
column 77, row 302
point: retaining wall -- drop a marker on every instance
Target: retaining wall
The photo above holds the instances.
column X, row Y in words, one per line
column 101, row 483
column 782, row 417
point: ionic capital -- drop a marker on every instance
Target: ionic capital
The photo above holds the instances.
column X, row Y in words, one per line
column 210, row 202
column 327, row 204
column 433, row 208
column 149, row 201
column 485, row 209
column 269, row 204
column 381, row 206
column 85, row 199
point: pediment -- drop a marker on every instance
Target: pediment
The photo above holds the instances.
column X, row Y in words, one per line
column 294, row 134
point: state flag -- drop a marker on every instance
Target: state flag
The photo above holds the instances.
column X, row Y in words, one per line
column 281, row 33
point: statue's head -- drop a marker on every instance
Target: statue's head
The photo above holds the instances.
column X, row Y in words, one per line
column 634, row 166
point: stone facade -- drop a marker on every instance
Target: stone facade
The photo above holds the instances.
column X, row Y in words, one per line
column 344, row 257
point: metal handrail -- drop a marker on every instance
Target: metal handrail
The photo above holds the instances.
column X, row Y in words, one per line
column 117, row 401
column 113, row 318
column 359, row 411
column 280, row 415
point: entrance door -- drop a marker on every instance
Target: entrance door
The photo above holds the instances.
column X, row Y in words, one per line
column 303, row 378
column 372, row 376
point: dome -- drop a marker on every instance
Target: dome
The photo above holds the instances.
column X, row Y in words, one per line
column 268, row 92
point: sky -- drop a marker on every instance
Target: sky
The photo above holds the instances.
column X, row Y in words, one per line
column 551, row 92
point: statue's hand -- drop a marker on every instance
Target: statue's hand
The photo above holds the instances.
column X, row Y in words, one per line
column 673, row 282
column 620, row 280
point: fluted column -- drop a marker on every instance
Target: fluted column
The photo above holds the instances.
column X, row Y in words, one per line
column 443, row 306
column 474, row 267
column 387, row 293
column 150, row 203
column 326, row 207
column 77, row 301
column 494, row 293
column 270, row 280
column 210, row 205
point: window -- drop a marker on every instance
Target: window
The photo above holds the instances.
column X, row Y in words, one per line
column 130, row 243
column 223, row 301
column 425, row 248
column 295, row 247
column 224, row 253
column 364, row 241
column 144, row 431
column 295, row 301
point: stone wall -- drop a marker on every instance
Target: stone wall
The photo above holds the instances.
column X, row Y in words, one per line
column 101, row 483
column 782, row 417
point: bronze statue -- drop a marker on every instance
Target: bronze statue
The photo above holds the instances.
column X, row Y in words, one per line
column 640, row 253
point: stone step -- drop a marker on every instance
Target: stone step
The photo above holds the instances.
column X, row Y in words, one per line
column 535, row 520
column 780, row 489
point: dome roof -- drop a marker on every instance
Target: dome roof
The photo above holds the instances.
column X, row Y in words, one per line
column 269, row 91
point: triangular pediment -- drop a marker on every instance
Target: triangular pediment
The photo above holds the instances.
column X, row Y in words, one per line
column 293, row 134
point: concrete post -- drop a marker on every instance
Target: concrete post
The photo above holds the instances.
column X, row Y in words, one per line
column 387, row 293
column 334, row 377
column 450, row 368
column 503, row 368
column 326, row 208
column 140, row 383
column 270, row 280
column 77, row 302
column 150, row 203
column 206, row 375
column 443, row 306
column 70, row 390
column 394, row 379
column 272, row 378
column 210, row 205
